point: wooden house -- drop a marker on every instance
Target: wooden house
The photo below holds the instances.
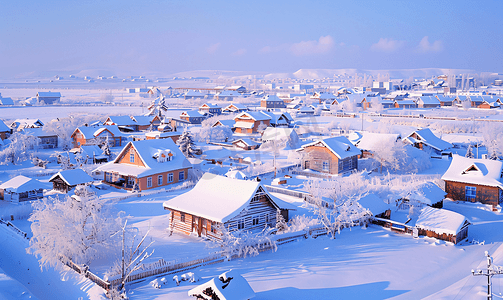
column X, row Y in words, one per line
column 22, row 188
column 228, row 123
column 193, row 116
column 323, row 97
column 250, row 121
column 193, row 95
column 333, row 155
column 97, row 135
column 474, row 180
column 235, row 108
column 20, row 124
column 442, row 224
column 227, row 95
column 246, row 144
column 425, row 139
column 210, row 109
column 48, row 97
column 218, row 201
column 146, row 164
column 45, row 140
column 427, row 102
column 406, row 103
column 272, row 101
column 4, row 130
column 66, row 180
column 369, row 142
column 124, row 123
column 445, row 100
column 279, row 119
column 146, row 122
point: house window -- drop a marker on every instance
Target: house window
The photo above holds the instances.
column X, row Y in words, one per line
column 470, row 193
column 130, row 181
column 255, row 221
column 170, row 177
column 182, row 217
column 241, row 224
column 326, row 166
column 108, row 177
column 149, row 182
column 131, row 157
column 181, row 176
column 159, row 180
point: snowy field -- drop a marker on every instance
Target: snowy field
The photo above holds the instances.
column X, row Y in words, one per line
column 361, row 263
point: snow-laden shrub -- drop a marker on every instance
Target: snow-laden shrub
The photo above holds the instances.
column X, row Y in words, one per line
column 79, row 228
column 299, row 223
column 244, row 243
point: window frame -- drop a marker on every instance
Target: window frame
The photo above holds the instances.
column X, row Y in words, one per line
column 149, row 182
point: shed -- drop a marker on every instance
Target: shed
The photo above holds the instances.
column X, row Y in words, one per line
column 22, row 188
column 66, row 180
column 442, row 224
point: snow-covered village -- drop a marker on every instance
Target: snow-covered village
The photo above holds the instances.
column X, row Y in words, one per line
column 162, row 153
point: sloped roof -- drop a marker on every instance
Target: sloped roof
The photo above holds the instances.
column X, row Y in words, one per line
column 146, row 150
column 339, row 145
column 272, row 98
column 21, row 184
column 73, row 177
column 90, row 132
column 38, row 132
column 3, row 127
column 49, row 94
column 209, row 105
column 427, row 137
column 429, row 100
column 235, row 289
column 122, row 120
column 371, row 140
column 440, row 220
column 143, row 120
column 192, row 114
column 475, row 171
column 238, row 106
column 278, row 133
column 227, row 93
column 254, row 115
column 374, row 204
column 229, row 123
column 216, row 198
column 6, row 101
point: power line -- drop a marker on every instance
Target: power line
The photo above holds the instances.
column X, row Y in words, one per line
column 489, row 272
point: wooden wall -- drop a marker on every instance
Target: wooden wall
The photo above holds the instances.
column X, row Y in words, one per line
column 485, row 194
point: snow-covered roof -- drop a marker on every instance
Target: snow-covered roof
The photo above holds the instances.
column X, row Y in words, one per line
column 21, row 184
column 428, row 100
column 339, row 145
column 22, row 123
column 235, row 287
column 427, row 137
column 227, row 93
column 440, row 220
column 374, row 204
column 273, row 98
column 49, row 94
column 475, row 171
column 247, row 141
column 38, row 132
column 238, row 106
column 235, row 174
column 90, row 132
column 323, row 96
column 428, row 193
column 91, row 150
column 253, row 115
column 143, row 120
column 209, row 105
column 3, row 127
column 6, row 101
column 120, row 120
column 242, row 124
column 229, row 123
column 371, row 140
column 192, row 93
column 192, row 114
column 279, row 133
column 162, row 134
column 146, row 150
column 216, row 198
column 73, row 177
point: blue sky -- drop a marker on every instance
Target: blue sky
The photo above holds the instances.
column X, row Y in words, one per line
column 164, row 37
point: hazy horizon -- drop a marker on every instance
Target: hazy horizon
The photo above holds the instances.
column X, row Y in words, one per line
column 160, row 37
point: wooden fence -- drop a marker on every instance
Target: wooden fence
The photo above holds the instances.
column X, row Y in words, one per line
column 293, row 193
column 14, row 228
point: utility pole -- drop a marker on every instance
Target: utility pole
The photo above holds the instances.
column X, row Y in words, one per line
column 489, row 272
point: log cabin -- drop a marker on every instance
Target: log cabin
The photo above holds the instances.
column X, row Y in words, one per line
column 474, row 180
column 146, row 164
column 97, row 135
column 66, row 180
column 333, row 155
column 22, row 188
column 249, row 122
column 217, row 201
column 442, row 224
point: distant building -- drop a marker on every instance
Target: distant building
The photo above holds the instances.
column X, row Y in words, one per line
column 48, row 97
column 272, row 101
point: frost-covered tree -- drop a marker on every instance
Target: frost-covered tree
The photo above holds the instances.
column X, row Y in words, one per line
column 401, row 158
column 261, row 127
column 20, row 147
column 187, row 145
column 244, row 243
column 214, row 134
column 78, row 228
column 469, row 152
